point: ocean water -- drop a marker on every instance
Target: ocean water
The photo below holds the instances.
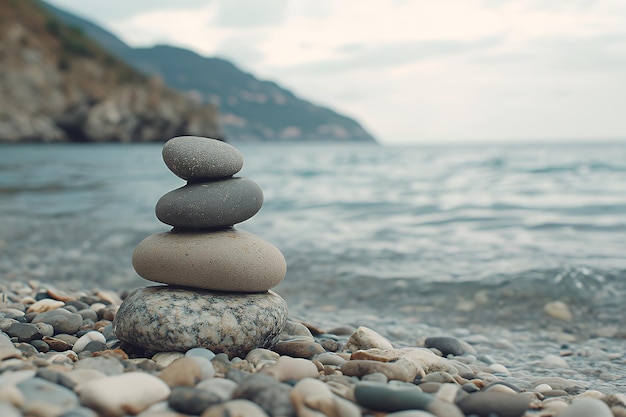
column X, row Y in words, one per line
column 443, row 234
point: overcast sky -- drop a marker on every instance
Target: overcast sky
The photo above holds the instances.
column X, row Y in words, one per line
column 413, row 70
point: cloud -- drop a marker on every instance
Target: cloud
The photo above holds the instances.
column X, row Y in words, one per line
column 241, row 49
column 394, row 54
column 250, row 13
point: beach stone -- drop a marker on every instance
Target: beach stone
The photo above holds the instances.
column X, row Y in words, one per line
column 210, row 204
column 7, row 349
column 79, row 412
column 57, row 344
column 236, row 408
column 287, row 368
column 200, row 353
column 62, row 320
column 221, row 387
column 259, row 354
column 402, row 370
column 10, row 393
column 558, row 383
column 446, row 345
column 40, row 391
column 485, row 404
column 177, row 319
column 365, row 338
column 6, row 323
column 223, row 260
column 558, row 310
column 190, row 400
column 128, row 393
column 272, row 396
column 312, row 397
column 46, row 304
column 8, row 410
column 45, row 329
column 25, row 332
column 85, row 339
column 385, row 397
column 587, row 407
column 163, row 359
column 197, row 158
column 299, row 347
column 107, row 365
column 182, row 372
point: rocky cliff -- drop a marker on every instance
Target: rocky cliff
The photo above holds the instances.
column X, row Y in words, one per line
column 57, row 85
column 250, row 109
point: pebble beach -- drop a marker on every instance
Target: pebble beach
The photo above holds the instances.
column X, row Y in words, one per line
column 323, row 342
column 61, row 357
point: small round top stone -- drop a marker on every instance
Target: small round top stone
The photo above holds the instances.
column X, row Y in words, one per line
column 195, row 158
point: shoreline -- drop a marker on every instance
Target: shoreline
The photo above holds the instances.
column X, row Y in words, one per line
column 516, row 362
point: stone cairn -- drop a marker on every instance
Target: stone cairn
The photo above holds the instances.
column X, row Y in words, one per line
column 218, row 279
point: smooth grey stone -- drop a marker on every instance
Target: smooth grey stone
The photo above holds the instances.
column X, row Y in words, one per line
column 224, row 260
column 39, row 390
column 62, row 320
column 106, row 365
column 385, row 397
column 485, row 404
column 587, row 407
column 271, row 395
column 210, row 204
column 200, row 353
column 447, row 345
column 197, row 158
column 166, row 319
column 7, row 348
column 88, row 314
column 25, row 332
column 40, row 345
column 190, row 400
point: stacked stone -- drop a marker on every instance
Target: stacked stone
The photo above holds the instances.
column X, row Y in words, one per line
column 218, row 278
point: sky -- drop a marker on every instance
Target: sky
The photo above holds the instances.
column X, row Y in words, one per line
column 413, row 71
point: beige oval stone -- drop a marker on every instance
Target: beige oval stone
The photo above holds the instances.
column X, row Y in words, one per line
column 223, row 260
column 365, row 338
column 44, row 305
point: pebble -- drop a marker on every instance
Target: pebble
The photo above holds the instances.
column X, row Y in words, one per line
column 7, row 349
column 287, row 368
column 183, row 372
column 236, row 408
column 383, row 397
column 587, row 407
column 299, row 347
column 199, row 158
column 485, row 404
column 85, row 339
column 107, row 365
column 128, row 393
column 200, row 353
column 163, row 359
column 272, row 396
column 167, row 319
column 221, row 387
column 219, row 260
column 311, row 396
column 446, row 345
column 210, row 204
column 62, row 320
column 47, row 304
column 365, row 338
column 558, row 310
column 24, row 332
column 40, row 391
column 191, row 400
column 402, row 370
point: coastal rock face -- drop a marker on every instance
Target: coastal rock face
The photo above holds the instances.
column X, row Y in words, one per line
column 57, row 86
column 222, row 260
column 175, row 319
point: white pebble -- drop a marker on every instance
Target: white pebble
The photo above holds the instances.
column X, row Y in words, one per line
column 558, row 310
column 499, row 368
column 543, row 388
column 86, row 338
column 128, row 393
column 365, row 338
column 554, row 361
column 164, row 359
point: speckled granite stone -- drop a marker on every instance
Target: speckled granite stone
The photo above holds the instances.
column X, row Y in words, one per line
column 196, row 158
column 210, row 204
column 167, row 318
column 223, row 260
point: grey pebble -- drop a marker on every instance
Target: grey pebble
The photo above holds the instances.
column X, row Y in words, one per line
column 62, row 320
column 201, row 353
column 40, row 345
column 385, row 397
column 88, row 314
column 446, row 345
column 40, row 390
column 271, row 395
column 210, row 204
column 191, row 400
column 106, row 365
column 25, row 332
column 199, row 158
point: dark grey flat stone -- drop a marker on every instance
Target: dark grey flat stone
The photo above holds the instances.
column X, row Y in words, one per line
column 210, row 204
column 195, row 158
